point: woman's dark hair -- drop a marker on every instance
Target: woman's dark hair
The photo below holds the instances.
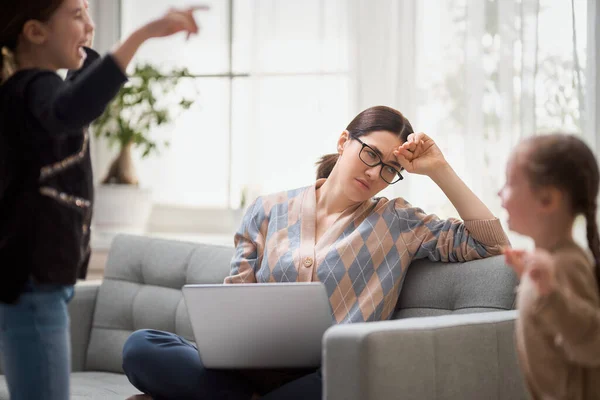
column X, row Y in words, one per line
column 379, row 118
column 13, row 16
column 567, row 163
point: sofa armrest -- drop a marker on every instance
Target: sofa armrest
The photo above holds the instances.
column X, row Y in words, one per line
column 81, row 313
column 470, row 356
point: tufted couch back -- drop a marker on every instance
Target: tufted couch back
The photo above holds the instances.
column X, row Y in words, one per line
column 144, row 276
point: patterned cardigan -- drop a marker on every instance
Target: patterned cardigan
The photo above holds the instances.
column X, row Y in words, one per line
column 362, row 258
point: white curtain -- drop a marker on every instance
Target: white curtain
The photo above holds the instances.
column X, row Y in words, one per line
column 383, row 63
column 298, row 93
column 592, row 105
column 475, row 75
column 107, row 17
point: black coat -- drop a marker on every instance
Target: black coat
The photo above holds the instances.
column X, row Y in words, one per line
column 46, row 181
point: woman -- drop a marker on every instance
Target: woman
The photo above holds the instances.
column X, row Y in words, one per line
column 336, row 232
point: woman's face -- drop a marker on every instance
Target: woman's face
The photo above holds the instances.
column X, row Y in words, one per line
column 359, row 181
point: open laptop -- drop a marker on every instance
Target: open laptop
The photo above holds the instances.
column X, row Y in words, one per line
column 259, row 325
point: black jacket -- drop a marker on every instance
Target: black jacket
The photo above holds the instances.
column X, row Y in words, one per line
column 46, row 190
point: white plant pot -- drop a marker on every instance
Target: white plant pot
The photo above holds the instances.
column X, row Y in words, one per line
column 121, row 209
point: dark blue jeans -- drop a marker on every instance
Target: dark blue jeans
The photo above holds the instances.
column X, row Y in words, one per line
column 166, row 366
column 35, row 344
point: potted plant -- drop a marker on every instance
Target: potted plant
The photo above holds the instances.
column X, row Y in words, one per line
column 144, row 103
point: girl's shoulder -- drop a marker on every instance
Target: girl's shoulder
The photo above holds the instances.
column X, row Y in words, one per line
column 575, row 267
column 18, row 86
column 13, row 93
column 25, row 76
column 573, row 254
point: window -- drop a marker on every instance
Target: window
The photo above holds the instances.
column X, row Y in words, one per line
column 277, row 84
column 272, row 87
column 492, row 72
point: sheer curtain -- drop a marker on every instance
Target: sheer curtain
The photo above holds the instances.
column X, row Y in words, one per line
column 106, row 16
column 297, row 101
column 592, row 83
column 592, row 76
column 278, row 80
column 477, row 76
column 383, row 64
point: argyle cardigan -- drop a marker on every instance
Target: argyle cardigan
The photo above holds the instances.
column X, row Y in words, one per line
column 362, row 258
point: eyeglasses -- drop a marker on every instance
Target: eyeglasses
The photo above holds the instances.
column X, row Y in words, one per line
column 371, row 157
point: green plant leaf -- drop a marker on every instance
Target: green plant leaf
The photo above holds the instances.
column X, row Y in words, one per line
column 145, row 102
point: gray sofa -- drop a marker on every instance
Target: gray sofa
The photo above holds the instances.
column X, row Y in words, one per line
column 460, row 350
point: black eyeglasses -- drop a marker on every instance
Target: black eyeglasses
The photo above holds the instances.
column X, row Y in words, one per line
column 371, row 157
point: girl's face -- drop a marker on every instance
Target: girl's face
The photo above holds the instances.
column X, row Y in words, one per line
column 519, row 199
column 65, row 34
column 359, row 181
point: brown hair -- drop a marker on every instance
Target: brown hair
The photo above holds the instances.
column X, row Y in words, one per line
column 13, row 16
column 379, row 118
column 566, row 162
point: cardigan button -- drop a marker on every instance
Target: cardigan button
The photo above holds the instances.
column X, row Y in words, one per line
column 558, row 340
column 308, row 262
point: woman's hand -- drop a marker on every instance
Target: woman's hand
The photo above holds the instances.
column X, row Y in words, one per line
column 538, row 265
column 420, row 155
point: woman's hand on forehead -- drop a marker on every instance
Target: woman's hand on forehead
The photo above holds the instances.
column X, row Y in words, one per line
column 413, row 140
column 419, row 154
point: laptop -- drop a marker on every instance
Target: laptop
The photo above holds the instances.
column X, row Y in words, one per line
column 259, row 325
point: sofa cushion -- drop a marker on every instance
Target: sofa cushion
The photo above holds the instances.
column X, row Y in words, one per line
column 91, row 386
column 142, row 289
column 433, row 288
